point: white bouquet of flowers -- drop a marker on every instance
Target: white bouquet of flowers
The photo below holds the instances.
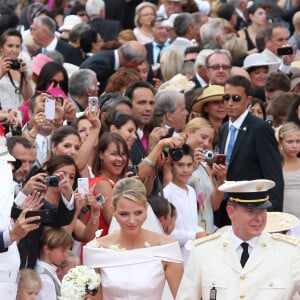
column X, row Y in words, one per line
column 78, row 282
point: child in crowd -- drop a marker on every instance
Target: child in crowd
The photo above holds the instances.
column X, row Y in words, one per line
column 162, row 210
column 54, row 244
column 184, row 199
column 71, row 261
column 29, row 285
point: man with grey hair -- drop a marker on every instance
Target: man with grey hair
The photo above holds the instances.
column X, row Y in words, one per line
column 218, row 66
column 184, row 29
column 82, row 85
column 212, row 34
column 105, row 63
column 170, row 107
column 108, row 29
column 201, row 79
column 43, row 34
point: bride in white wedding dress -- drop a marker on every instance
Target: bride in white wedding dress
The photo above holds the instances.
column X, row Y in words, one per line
column 134, row 263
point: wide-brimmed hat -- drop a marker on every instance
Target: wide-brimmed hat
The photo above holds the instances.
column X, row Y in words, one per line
column 69, row 22
column 169, row 22
column 280, row 221
column 249, row 193
column 178, row 83
column 211, row 93
column 258, row 60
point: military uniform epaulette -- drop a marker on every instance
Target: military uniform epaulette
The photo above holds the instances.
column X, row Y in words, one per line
column 286, row 238
column 207, row 238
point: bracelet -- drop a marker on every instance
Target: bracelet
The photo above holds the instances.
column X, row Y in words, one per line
column 95, row 219
column 149, row 162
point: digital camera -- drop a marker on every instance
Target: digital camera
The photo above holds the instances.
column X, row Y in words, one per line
column 51, row 180
column 16, row 63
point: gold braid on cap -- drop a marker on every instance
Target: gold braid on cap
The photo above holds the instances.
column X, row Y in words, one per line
column 249, row 201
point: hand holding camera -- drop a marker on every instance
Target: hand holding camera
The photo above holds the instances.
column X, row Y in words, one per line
column 287, row 53
column 35, row 183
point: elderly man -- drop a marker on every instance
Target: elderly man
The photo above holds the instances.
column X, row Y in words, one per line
column 105, row 63
column 218, row 66
column 170, row 106
column 43, row 34
column 244, row 262
column 82, row 85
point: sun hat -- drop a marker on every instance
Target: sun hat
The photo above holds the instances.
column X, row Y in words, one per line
column 280, row 221
column 169, row 22
column 211, row 93
column 38, row 62
column 258, row 60
column 69, row 22
column 178, row 83
column 249, row 193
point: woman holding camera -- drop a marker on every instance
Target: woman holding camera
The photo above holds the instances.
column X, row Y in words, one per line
column 14, row 81
column 208, row 173
column 63, row 169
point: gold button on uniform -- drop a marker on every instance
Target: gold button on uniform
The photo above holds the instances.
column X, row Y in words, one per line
column 242, row 277
column 242, row 296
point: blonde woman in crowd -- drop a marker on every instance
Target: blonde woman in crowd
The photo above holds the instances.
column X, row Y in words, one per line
column 144, row 14
column 289, row 144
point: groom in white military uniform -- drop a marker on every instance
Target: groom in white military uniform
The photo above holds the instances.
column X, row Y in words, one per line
column 245, row 262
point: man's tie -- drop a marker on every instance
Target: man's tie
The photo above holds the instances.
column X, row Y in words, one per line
column 160, row 46
column 245, row 253
column 230, row 146
column 144, row 142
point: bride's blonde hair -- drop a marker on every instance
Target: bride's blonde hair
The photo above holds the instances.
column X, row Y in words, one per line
column 130, row 188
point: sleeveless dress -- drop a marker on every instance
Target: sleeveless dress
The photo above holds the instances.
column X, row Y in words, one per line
column 132, row 274
column 102, row 223
column 291, row 201
column 250, row 44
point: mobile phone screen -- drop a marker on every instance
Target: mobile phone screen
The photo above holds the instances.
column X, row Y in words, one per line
column 50, row 109
column 83, row 185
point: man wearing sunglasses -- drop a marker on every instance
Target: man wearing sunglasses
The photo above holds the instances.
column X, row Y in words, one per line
column 249, row 144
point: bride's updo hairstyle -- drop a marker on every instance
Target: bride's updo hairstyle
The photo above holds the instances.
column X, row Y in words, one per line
column 130, row 188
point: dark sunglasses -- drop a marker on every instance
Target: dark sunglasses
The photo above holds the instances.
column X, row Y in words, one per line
column 118, row 115
column 235, row 98
column 56, row 82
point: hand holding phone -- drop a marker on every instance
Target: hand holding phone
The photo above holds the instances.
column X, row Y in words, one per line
column 220, row 159
column 83, row 186
column 50, row 109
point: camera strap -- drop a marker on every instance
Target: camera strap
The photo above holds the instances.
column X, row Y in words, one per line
column 18, row 89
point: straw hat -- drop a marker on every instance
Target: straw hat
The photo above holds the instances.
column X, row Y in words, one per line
column 211, row 93
column 178, row 83
column 280, row 221
column 258, row 60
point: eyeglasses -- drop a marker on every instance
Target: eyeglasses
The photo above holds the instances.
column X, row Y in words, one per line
column 218, row 67
column 82, row 14
column 100, row 41
column 235, row 98
column 56, row 82
column 118, row 115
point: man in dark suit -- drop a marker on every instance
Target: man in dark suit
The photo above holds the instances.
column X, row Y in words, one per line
column 160, row 40
column 141, row 94
column 105, row 63
column 108, row 29
column 249, row 144
column 43, row 34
